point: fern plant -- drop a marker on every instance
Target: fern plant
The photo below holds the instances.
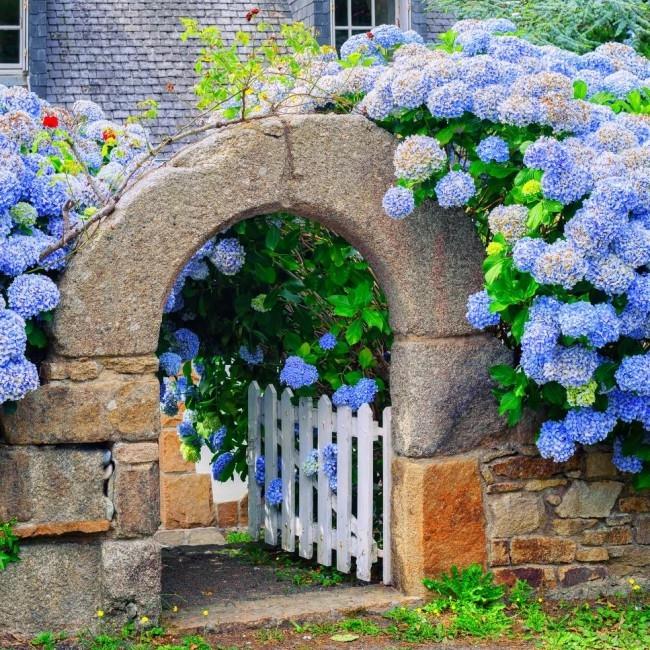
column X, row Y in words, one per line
column 472, row 585
column 578, row 25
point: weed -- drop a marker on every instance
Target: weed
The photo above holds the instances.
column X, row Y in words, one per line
column 360, row 626
column 266, row 635
column 471, row 585
column 238, row 537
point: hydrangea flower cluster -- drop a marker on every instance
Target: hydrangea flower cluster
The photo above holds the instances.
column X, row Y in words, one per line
column 363, row 392
column 296, row 373
column 216, row 439
column 33, row 135
column 274, row 493
column 311, row 465
column 327, row 341
column 251, row 358
column 260, row 470
column 221, row 464
column 330, row 461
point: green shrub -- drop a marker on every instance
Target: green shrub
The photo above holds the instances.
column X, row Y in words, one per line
column 9, row 547
column 471, row 585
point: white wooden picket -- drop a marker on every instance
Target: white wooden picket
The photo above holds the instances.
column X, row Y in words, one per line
column 279, row 429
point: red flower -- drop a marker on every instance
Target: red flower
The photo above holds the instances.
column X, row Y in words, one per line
column 370, row 35
column 253, row 12
column 108, row 134
column 51, row 121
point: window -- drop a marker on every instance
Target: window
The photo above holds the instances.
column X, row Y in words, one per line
column 13, row 39
column 351, row 17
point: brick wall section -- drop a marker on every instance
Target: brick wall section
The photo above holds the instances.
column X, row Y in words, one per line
column 429, row 23
column 578, row 527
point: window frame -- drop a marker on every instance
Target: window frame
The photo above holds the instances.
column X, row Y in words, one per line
column 21, row 65
column 402, row 18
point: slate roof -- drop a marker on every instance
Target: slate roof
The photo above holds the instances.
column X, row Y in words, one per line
column 118, row 52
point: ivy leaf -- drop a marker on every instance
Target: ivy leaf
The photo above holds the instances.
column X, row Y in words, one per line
column 354, row 332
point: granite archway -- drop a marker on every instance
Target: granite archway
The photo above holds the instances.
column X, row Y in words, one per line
column 101, row 392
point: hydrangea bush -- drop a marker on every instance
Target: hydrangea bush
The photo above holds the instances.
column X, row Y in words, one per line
column 57, row 168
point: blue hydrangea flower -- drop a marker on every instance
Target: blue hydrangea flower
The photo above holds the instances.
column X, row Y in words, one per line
column 634, row 374
column 509, row 220
column 169, row 400
column 572, row 367
column 251, row 358
column 48, row 194
column 360, row 43
column 343, row 396
column 418, row 157
column 598, row 323
column 185, row 343
column 559, row 263
column 638, row 292
column 632, row 464
column 10, row 189
column 610, row 274
column 274, row 493
column 228, row 256
column 311, row 465
column 628, row 407
column 493, row 149
column 587, row 426
column 410, row 88
column 455, row 189
column 13, row 339
column 554, row 442
column 327, row 341
column 170, row 363
column 296, row 373
column 567, row 186
column 478, row 311
column 31, row 294
column 398, row 202
column 449, row 100
column 387, row 36
column 88, row 111
column 17, row 378
column 186, row 429
column 216, row 439
column 260, row 470
column 365, row 391
column 220, row 465
column 329, row 465
column 526, row 252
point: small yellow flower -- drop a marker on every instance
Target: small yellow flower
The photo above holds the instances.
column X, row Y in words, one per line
column 175, row 608
column 205, row 612
column 540, row 600
column 100, row 613
column 144, row 620
column 632, row 581
column 529, row 188
column 494, row 247
column 636, row 588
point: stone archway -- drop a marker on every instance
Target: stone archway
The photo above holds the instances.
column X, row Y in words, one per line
column 102, row 393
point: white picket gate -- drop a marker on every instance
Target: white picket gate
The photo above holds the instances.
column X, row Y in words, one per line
column 271, row 433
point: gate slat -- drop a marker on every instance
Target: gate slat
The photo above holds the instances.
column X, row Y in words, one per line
column 254, row 450
column 324, row 539
column 344, row 423
column 306, row 485
column 288, row 418
column 365, row 431
column 271, row 461
column 387, row 486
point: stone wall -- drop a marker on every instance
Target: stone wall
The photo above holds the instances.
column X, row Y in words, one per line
column 573, row 529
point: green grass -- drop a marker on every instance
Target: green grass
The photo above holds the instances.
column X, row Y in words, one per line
column 465, row 605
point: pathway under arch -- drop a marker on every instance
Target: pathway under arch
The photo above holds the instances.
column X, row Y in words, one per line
column 102, row 393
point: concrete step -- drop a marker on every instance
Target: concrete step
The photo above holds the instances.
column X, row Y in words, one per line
column 312, row 605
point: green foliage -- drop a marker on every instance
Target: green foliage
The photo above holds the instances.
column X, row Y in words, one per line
column 578, row 25
column 237, row 537
column 470, row 585
column 9, row 544
column 299, row 281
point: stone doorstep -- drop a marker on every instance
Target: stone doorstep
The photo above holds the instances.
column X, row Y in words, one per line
column 314, row 605
column 189, row 537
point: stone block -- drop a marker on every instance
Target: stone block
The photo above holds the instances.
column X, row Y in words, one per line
column 500, row 488
column 76, row 369
column 643, row 530
column 227, row 514
column 440, row 391
column 633, row 555
column 170, row 453
column 205, row 537
column 135, row 452
column 575, row 575
column 93, row 411
column 438, row 518
column 537, row 485
column 132, row 578
column 589, row 499
column 536, row 577
column 600, row 537
column 618, row 520
column 55, row 586
column 635, row 504
column 542, row 550
column 186, row 500
column 532, row 467
column 515, row 513
column 599, row 464
column 592, row 554
column 569, row 527
column 140, row 365
column 137, row 499
column 53, row 529
column 499, row 552
column 51, row 484
column 243, row 511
